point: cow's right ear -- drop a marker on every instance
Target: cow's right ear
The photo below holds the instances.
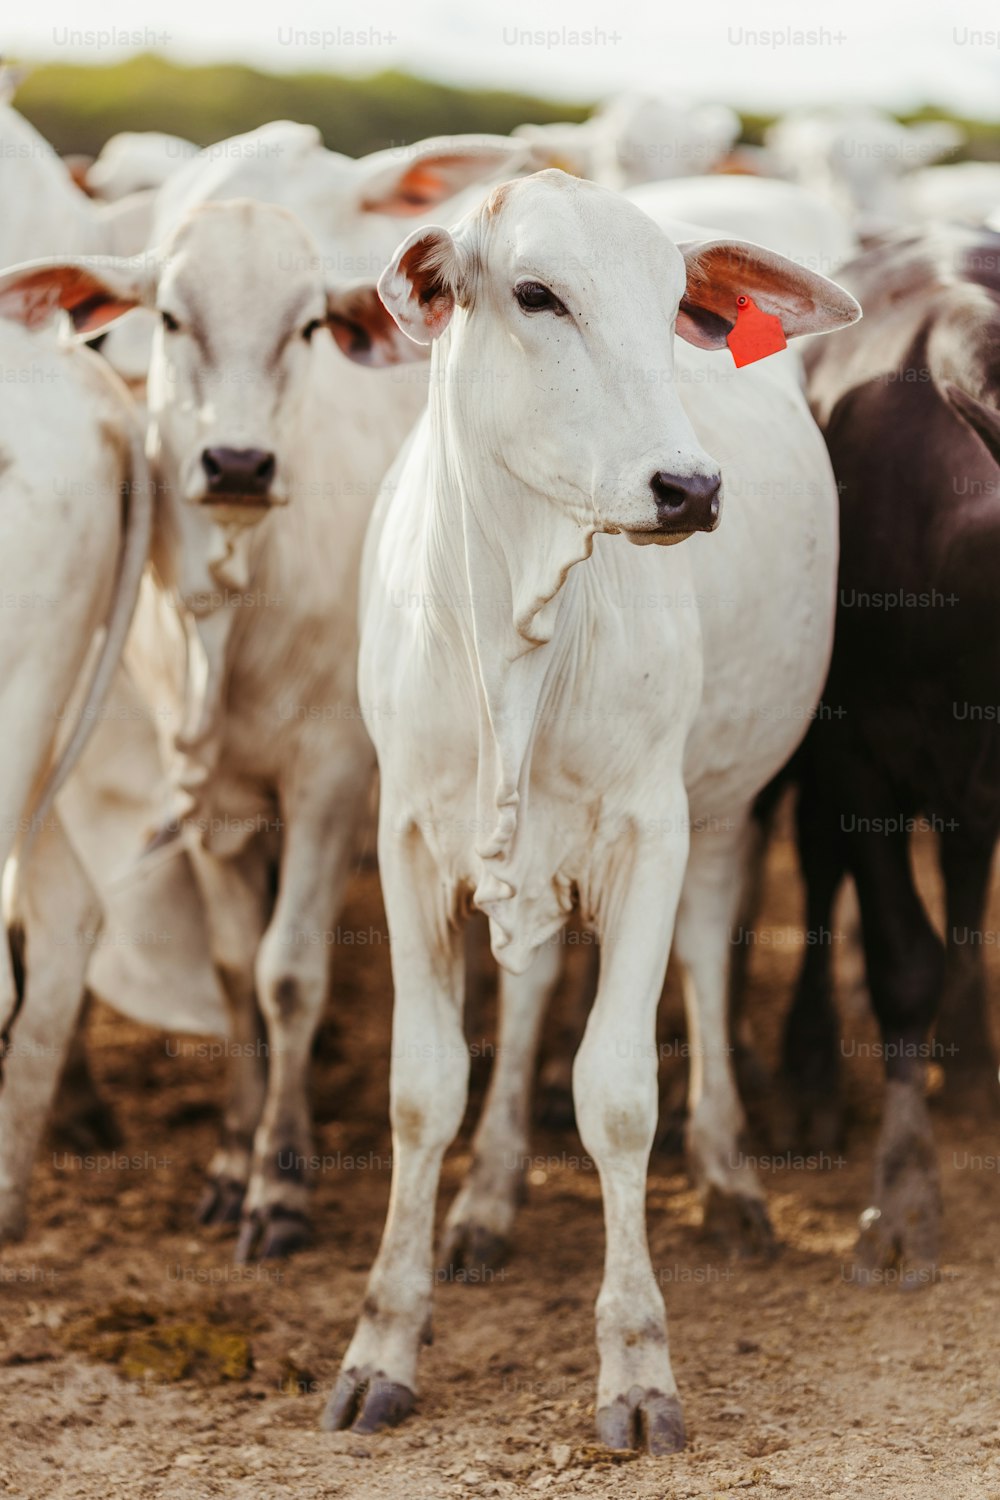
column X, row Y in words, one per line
column 94, row 291
column 421, row 283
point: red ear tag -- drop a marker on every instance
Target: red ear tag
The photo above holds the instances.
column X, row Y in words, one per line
column 755, row 335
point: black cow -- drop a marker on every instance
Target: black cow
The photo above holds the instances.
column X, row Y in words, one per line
column 909, row 727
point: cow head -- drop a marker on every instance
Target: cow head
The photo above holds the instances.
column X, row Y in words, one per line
column 560, row 300
column 243, row 308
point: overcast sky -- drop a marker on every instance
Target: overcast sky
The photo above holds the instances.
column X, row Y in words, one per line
column 893, row 52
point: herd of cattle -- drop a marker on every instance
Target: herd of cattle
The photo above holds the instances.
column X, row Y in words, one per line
column 343, row 486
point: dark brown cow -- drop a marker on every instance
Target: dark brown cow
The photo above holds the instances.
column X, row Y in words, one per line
column 909, row 401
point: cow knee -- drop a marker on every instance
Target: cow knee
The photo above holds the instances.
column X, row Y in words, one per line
column 290, row 987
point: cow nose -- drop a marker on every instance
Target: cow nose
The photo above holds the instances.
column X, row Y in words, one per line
column 238, row 471
column 688, row 502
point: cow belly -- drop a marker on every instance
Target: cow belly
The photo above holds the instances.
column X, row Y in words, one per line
column 766, row 586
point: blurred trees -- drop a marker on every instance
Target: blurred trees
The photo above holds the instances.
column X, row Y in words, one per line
column 78, row 107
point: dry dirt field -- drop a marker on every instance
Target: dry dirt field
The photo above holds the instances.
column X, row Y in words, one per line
column 136, row 1360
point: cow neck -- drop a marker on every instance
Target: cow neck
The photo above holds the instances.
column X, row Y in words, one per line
column 518, row 549
column 209, row 618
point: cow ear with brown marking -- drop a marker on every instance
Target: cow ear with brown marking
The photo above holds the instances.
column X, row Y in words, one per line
column 721, row 272
column 420, row 285
column 93, row 291
column 415, row 180
column 365, row 332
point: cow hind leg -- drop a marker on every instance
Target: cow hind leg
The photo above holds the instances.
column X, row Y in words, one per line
column 293, row 972
column 82, row 1119
column 61, row 918
column 237, row 897
column 900, row 1232
column 963, row 1043
column 735, row 1213
column 807, row 1114
column 478, row 1228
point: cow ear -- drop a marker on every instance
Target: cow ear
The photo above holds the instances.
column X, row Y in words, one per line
column 420, row 284
column 415, row 181
column 719, row 271
column 93, row 292
column 365, row 332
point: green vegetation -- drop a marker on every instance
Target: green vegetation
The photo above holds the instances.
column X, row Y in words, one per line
column 78, row 107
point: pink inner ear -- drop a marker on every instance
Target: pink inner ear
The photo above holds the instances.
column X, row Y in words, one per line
column 419, row 188
column 34, row 297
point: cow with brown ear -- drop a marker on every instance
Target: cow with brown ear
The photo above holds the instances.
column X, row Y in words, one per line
column 273, row 415
column 564, row 422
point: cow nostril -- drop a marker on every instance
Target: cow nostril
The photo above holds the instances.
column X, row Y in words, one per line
column 667, row 493
column 265, row 469
column 686, row 502
column 211, row 465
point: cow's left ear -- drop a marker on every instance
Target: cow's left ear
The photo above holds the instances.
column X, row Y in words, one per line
column 94, row 292
column 365, row 331
column 420, row 177
column 720, row 271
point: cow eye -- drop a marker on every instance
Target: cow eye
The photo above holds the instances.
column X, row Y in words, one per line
column 532, row 296
column 311, row 328
column 170, row 323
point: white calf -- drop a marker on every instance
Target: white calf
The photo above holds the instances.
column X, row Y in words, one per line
column 700, row 664
column 75, row 521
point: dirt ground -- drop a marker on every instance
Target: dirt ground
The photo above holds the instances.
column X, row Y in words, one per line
column 137, row 1360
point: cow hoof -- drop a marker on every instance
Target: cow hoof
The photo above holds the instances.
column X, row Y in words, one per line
column 882, row 1259
column 221, row 1202
column 642, row 1419
column 469, row 1250
column 273, row 1233
column 739, row 1224
column 900, row 1235
column 366, row 1400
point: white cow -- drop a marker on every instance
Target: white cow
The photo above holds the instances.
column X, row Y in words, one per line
column 564, row 721
column 43, row 212
column 637, row 138
column 75, row 522
column 134, row 161
column 859, row 158
column 270, row 447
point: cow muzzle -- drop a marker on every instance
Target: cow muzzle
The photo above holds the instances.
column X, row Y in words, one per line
column 687, row 503
column 238, row 477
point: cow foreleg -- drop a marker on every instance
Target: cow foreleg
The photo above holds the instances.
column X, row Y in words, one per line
column 478, row 1228
column 62, row 918
column 616, row 1096
column 428, row 1088
column 726, row 1178
column 236, row 896
column 293, row 971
